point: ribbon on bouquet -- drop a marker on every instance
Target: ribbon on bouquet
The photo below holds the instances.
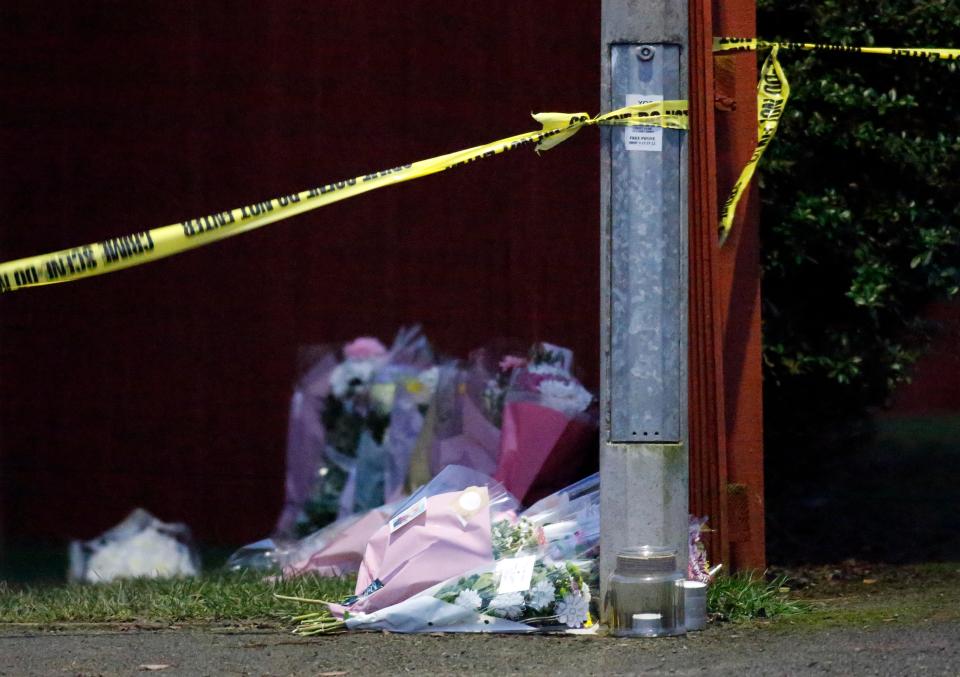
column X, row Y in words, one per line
column 149, row 245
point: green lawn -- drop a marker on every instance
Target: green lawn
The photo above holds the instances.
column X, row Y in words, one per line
column 212, row 598
column 248, row 599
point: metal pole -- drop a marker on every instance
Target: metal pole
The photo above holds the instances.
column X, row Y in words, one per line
column 643, row 433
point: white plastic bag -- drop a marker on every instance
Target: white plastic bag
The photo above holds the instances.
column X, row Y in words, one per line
column 141, row 546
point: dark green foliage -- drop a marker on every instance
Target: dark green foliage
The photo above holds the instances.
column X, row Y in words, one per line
column 861, row 209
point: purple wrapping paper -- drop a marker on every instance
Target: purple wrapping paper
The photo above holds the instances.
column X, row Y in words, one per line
column 306, row 440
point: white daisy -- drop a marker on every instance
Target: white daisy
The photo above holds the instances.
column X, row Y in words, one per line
column 542, row 595
column 468, row 599
column 573, row 610
column 508, row 605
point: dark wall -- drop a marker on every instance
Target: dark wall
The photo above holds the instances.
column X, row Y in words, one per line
column 166, row 386
column 934, row 388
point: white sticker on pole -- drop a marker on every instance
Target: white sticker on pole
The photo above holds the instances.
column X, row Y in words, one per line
column 515, row 574
column 643, row 138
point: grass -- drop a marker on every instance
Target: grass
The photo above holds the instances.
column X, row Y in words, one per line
column 246, row 599
column 746, row 596
column 855, row 594
column 233, row 598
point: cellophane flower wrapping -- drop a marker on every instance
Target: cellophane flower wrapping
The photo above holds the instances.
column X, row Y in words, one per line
column 141, row 546
column 468, row 408
column 549, row 426
column 355, row 417
column 441, row 530
column 541, row 574
column 334, row 550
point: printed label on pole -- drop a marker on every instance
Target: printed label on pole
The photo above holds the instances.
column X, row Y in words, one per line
column 515, row 574
column 643, row 138
column 409, row 515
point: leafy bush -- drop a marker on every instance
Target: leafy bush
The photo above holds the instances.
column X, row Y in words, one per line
column 860, row 209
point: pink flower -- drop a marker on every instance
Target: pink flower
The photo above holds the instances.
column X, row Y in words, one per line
column 364, row 348
column 512, row 362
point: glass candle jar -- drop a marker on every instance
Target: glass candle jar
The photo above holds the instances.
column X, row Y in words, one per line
column 645, row 594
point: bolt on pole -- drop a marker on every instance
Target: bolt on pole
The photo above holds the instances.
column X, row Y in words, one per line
column 644, row 473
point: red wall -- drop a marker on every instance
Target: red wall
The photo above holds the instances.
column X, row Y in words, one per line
column 934, row 388
column 166, row 386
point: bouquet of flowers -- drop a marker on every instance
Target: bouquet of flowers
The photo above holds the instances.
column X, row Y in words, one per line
column 442, row 530
column 354, row 420
column 468, row 409
column 569, row 520
column 524, row 420
column 538, row 572
column 549, row 433
column 553, row 596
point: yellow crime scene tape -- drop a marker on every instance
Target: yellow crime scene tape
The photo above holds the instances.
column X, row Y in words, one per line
column 754, row 44
column 149, row 245
column 773, row 90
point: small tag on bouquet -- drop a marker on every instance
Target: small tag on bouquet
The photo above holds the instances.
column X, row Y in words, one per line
column 470, row 501
column 515, row 574
column 369, row 590
column 408, row 515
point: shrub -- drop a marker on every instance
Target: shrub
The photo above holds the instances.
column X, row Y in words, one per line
column 860, row 209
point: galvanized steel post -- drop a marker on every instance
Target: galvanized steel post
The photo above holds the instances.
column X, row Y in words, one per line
column 643, row 445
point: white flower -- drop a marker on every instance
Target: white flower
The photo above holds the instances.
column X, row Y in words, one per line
column 542, row 595
column 568, row 397
column 573, row 610
column 426, row 381
column 468, row 599
column 349, row 372
column 509, row 605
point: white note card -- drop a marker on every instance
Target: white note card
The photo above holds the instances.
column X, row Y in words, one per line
column 515, row 574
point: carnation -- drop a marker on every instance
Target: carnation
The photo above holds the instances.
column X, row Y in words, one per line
column 469, row 599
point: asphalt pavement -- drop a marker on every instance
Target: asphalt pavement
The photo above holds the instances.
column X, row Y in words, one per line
column 929, row 648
